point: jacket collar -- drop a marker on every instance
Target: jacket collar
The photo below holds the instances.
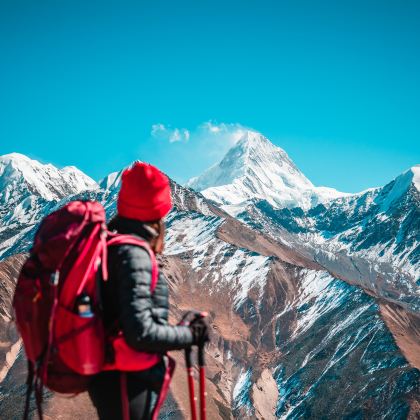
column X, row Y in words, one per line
column 129, row 226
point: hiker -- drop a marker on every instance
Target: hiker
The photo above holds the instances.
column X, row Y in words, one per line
column 143, row 202
column 91, row 304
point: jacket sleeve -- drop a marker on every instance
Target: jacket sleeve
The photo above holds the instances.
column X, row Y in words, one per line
column 140, row 328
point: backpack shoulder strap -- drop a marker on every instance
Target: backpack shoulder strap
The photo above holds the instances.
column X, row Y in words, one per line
column 121, row 239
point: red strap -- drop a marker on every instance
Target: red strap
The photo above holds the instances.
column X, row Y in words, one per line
column 131, row 240
column 83, row 269
column 29, row 385
column 104, row 256
column 91, row 255
column 124, row 396
column 170, row 367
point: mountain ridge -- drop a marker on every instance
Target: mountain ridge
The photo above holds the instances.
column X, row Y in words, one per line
column 286, row 330
column 44, row 180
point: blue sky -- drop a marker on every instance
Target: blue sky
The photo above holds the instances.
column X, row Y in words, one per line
column 334, row 83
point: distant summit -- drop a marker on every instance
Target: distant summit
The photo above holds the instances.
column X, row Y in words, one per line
column 254, row 168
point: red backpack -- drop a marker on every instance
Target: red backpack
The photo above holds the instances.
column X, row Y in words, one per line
column 65, row 348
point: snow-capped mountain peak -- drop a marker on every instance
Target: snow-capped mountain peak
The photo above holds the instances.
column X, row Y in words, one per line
column 19, row 173
column 253, row 156
column 390, row 193
column 415, row 171
column 14, row 156
column 254, row 168
column 111, row 181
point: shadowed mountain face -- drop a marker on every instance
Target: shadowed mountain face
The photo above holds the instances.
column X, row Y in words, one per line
column 290, row 340
column 369, row 239
column 381, row 225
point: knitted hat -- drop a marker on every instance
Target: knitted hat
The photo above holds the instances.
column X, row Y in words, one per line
column 145, row 193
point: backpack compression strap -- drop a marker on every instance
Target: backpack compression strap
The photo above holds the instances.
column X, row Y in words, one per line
column 121, row 239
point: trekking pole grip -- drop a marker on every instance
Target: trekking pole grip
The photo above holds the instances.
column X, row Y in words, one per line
column 201, row 358
column 188, row 359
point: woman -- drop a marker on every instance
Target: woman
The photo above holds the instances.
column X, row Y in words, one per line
column 143, row 201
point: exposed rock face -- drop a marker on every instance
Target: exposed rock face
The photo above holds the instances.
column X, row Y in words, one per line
column 290, row 340
column 405, row 326
column 9, row 339
column 264, row 396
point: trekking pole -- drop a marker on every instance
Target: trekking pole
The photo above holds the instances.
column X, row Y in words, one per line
column 186, row 320
column 203, row 393
column 190, row 373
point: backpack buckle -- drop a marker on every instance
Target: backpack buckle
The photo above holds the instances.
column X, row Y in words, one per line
column 54, row 278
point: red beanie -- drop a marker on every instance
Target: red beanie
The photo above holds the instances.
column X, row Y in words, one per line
column 145, row 193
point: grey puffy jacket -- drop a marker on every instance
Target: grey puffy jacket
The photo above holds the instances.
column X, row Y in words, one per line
column 126, row 296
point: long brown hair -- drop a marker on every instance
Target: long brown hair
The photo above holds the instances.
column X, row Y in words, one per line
column 157, row 231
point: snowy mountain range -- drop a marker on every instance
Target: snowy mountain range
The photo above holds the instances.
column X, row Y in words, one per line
column 29, row 189
column 305, row 326
column 258, row 183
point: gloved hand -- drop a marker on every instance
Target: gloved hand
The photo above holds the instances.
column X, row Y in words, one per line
column 200, row 331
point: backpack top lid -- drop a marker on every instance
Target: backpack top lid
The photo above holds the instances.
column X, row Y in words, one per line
column 61, row 229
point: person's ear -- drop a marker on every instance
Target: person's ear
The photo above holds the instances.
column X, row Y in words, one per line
column 159, row 241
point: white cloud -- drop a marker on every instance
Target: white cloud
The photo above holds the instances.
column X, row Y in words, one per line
column 219, row 133
column 162, row 132
column 157, row 129
column 174, row 135
column 213, row 128
column 223, row 132
column 208, row 141
column 197, row 147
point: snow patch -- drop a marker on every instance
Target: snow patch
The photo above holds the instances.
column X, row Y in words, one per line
column 241, row 390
